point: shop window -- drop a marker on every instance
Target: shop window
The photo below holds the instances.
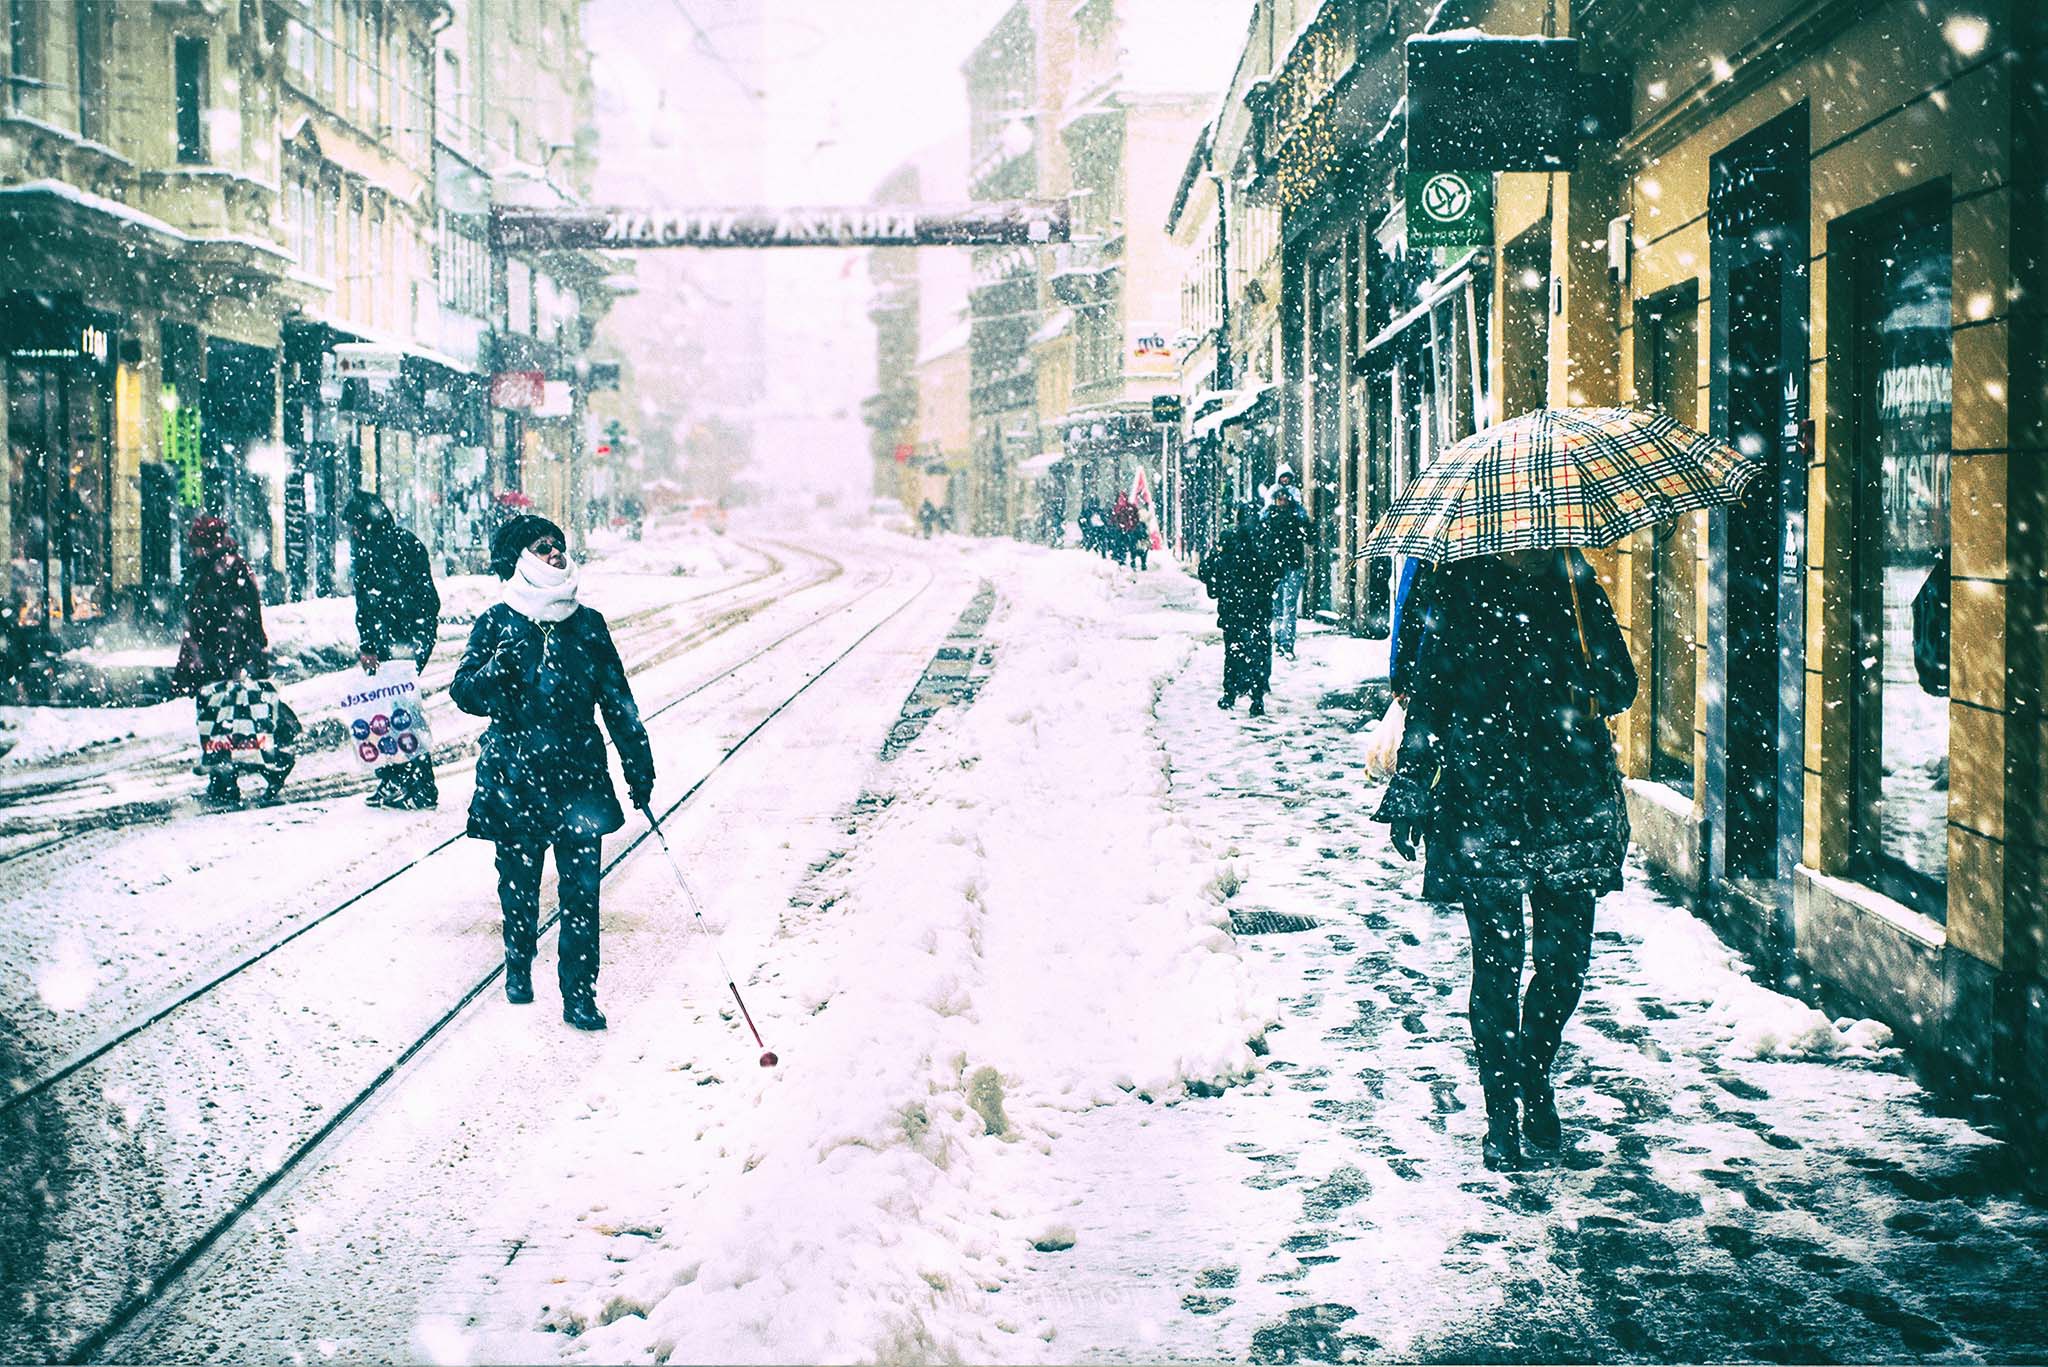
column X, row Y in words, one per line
column 1902, row 376
column 1667, row 369
column 188, row 75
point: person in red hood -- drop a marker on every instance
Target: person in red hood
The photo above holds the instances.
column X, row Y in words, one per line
column 224, row 636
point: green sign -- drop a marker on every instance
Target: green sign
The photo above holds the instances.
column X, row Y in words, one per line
column 181, row 448
column 1450, row 208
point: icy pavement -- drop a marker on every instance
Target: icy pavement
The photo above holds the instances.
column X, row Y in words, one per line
column 1744, row 1181
column 1023, row 1112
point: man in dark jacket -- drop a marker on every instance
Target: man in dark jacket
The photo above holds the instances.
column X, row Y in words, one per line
column 543, row 668
column 1240, row 574
column 398, row 614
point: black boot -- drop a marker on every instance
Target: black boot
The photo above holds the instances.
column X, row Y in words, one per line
column 1227, row 701
column 582, row 1013
column 518, row 982
column 1258, row 704
column 223, row 790
column 1540, row 1125
column 1503, row 1147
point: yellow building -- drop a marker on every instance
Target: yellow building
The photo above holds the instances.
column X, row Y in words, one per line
column 1815, row 229
column 1839, row 748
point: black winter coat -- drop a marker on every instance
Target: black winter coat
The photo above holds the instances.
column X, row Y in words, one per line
column 1241, row 575
column 396, row 602
column 1505, row 761
column 542, row 773
column 1287, row 536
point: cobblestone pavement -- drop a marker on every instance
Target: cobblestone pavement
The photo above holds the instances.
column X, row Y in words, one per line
column 1743, row 1181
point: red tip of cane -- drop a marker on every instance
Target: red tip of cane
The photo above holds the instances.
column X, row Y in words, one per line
column 768, row 1059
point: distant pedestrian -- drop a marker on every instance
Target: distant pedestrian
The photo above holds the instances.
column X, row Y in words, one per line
column 1141, row 546
column 928, row 518
column 1287, row 532
column 225, row 643
column 398, row 616
column 541, row 666
column 1507, row 773
column 1240, row 574
column 1123, row 517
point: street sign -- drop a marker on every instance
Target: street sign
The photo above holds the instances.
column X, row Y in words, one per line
column 1000, row 223
column 1166, row 408
column 367, row 361
column 1449, row 208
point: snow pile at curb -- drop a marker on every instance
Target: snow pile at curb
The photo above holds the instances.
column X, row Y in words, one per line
column 1021, row 934
column 1682, row 954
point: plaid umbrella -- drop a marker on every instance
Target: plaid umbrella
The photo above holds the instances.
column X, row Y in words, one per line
column 1559, row 477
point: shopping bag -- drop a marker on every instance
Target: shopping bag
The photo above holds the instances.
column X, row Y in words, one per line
column 383, row 714
column 240, row 721
column 1383, row 741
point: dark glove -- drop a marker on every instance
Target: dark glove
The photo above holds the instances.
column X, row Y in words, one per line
column 641, row 797
column 1405, row 835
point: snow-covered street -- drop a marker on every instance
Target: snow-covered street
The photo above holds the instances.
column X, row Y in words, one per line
column 1109, row 1029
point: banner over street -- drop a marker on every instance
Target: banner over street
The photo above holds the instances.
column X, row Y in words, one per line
column 1003, row 223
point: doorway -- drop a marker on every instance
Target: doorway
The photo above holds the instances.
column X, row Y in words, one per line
column 1757, row 217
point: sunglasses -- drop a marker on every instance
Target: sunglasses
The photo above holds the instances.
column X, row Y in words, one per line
column 546, row 546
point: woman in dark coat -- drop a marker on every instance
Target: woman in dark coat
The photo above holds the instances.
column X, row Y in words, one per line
column 1507, row 772
column 1241, row 574
column 541, row 666
column 224, row 639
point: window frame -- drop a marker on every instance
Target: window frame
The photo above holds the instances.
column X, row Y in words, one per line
column 197, row 151
column 1861, row 236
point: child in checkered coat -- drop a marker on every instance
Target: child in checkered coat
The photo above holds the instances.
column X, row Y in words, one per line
column 224, row 662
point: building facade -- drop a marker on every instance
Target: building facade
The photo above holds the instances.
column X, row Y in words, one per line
column 1837, row 752
column 244, row 270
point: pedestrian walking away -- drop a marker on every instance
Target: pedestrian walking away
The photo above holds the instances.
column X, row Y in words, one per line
column 398, row 615
column 224, row 664
column 1240, row 574
column 542, row 667
column 1507, row 775
column 1287, row 533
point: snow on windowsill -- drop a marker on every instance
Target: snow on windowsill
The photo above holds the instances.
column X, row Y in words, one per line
column 1663, row 796
column 1919, row 926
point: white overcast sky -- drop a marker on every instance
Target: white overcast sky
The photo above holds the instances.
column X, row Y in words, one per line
column 788, row 102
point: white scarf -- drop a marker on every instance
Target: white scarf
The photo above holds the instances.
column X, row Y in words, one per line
column 539, row 592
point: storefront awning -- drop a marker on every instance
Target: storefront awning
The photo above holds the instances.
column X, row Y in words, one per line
column 1237, row 410
column 1040, row 464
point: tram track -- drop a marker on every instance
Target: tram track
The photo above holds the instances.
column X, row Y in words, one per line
column 86, row 1056
column 151, row 1286
column 168, row 764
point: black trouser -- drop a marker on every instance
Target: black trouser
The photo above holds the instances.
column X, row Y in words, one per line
column 1517, row 1040
column 1247, row 659
column 412, row 779
column 579, row 864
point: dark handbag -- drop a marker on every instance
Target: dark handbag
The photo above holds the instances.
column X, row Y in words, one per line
column 287, row 728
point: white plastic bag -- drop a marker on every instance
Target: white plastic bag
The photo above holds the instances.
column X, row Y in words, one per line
column 386, row 722
column 1383, row 741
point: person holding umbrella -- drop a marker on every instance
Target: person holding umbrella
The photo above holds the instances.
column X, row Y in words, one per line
column 542, row 666
column 1507, row 774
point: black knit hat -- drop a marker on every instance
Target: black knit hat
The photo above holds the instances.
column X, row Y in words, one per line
column 514, row 537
